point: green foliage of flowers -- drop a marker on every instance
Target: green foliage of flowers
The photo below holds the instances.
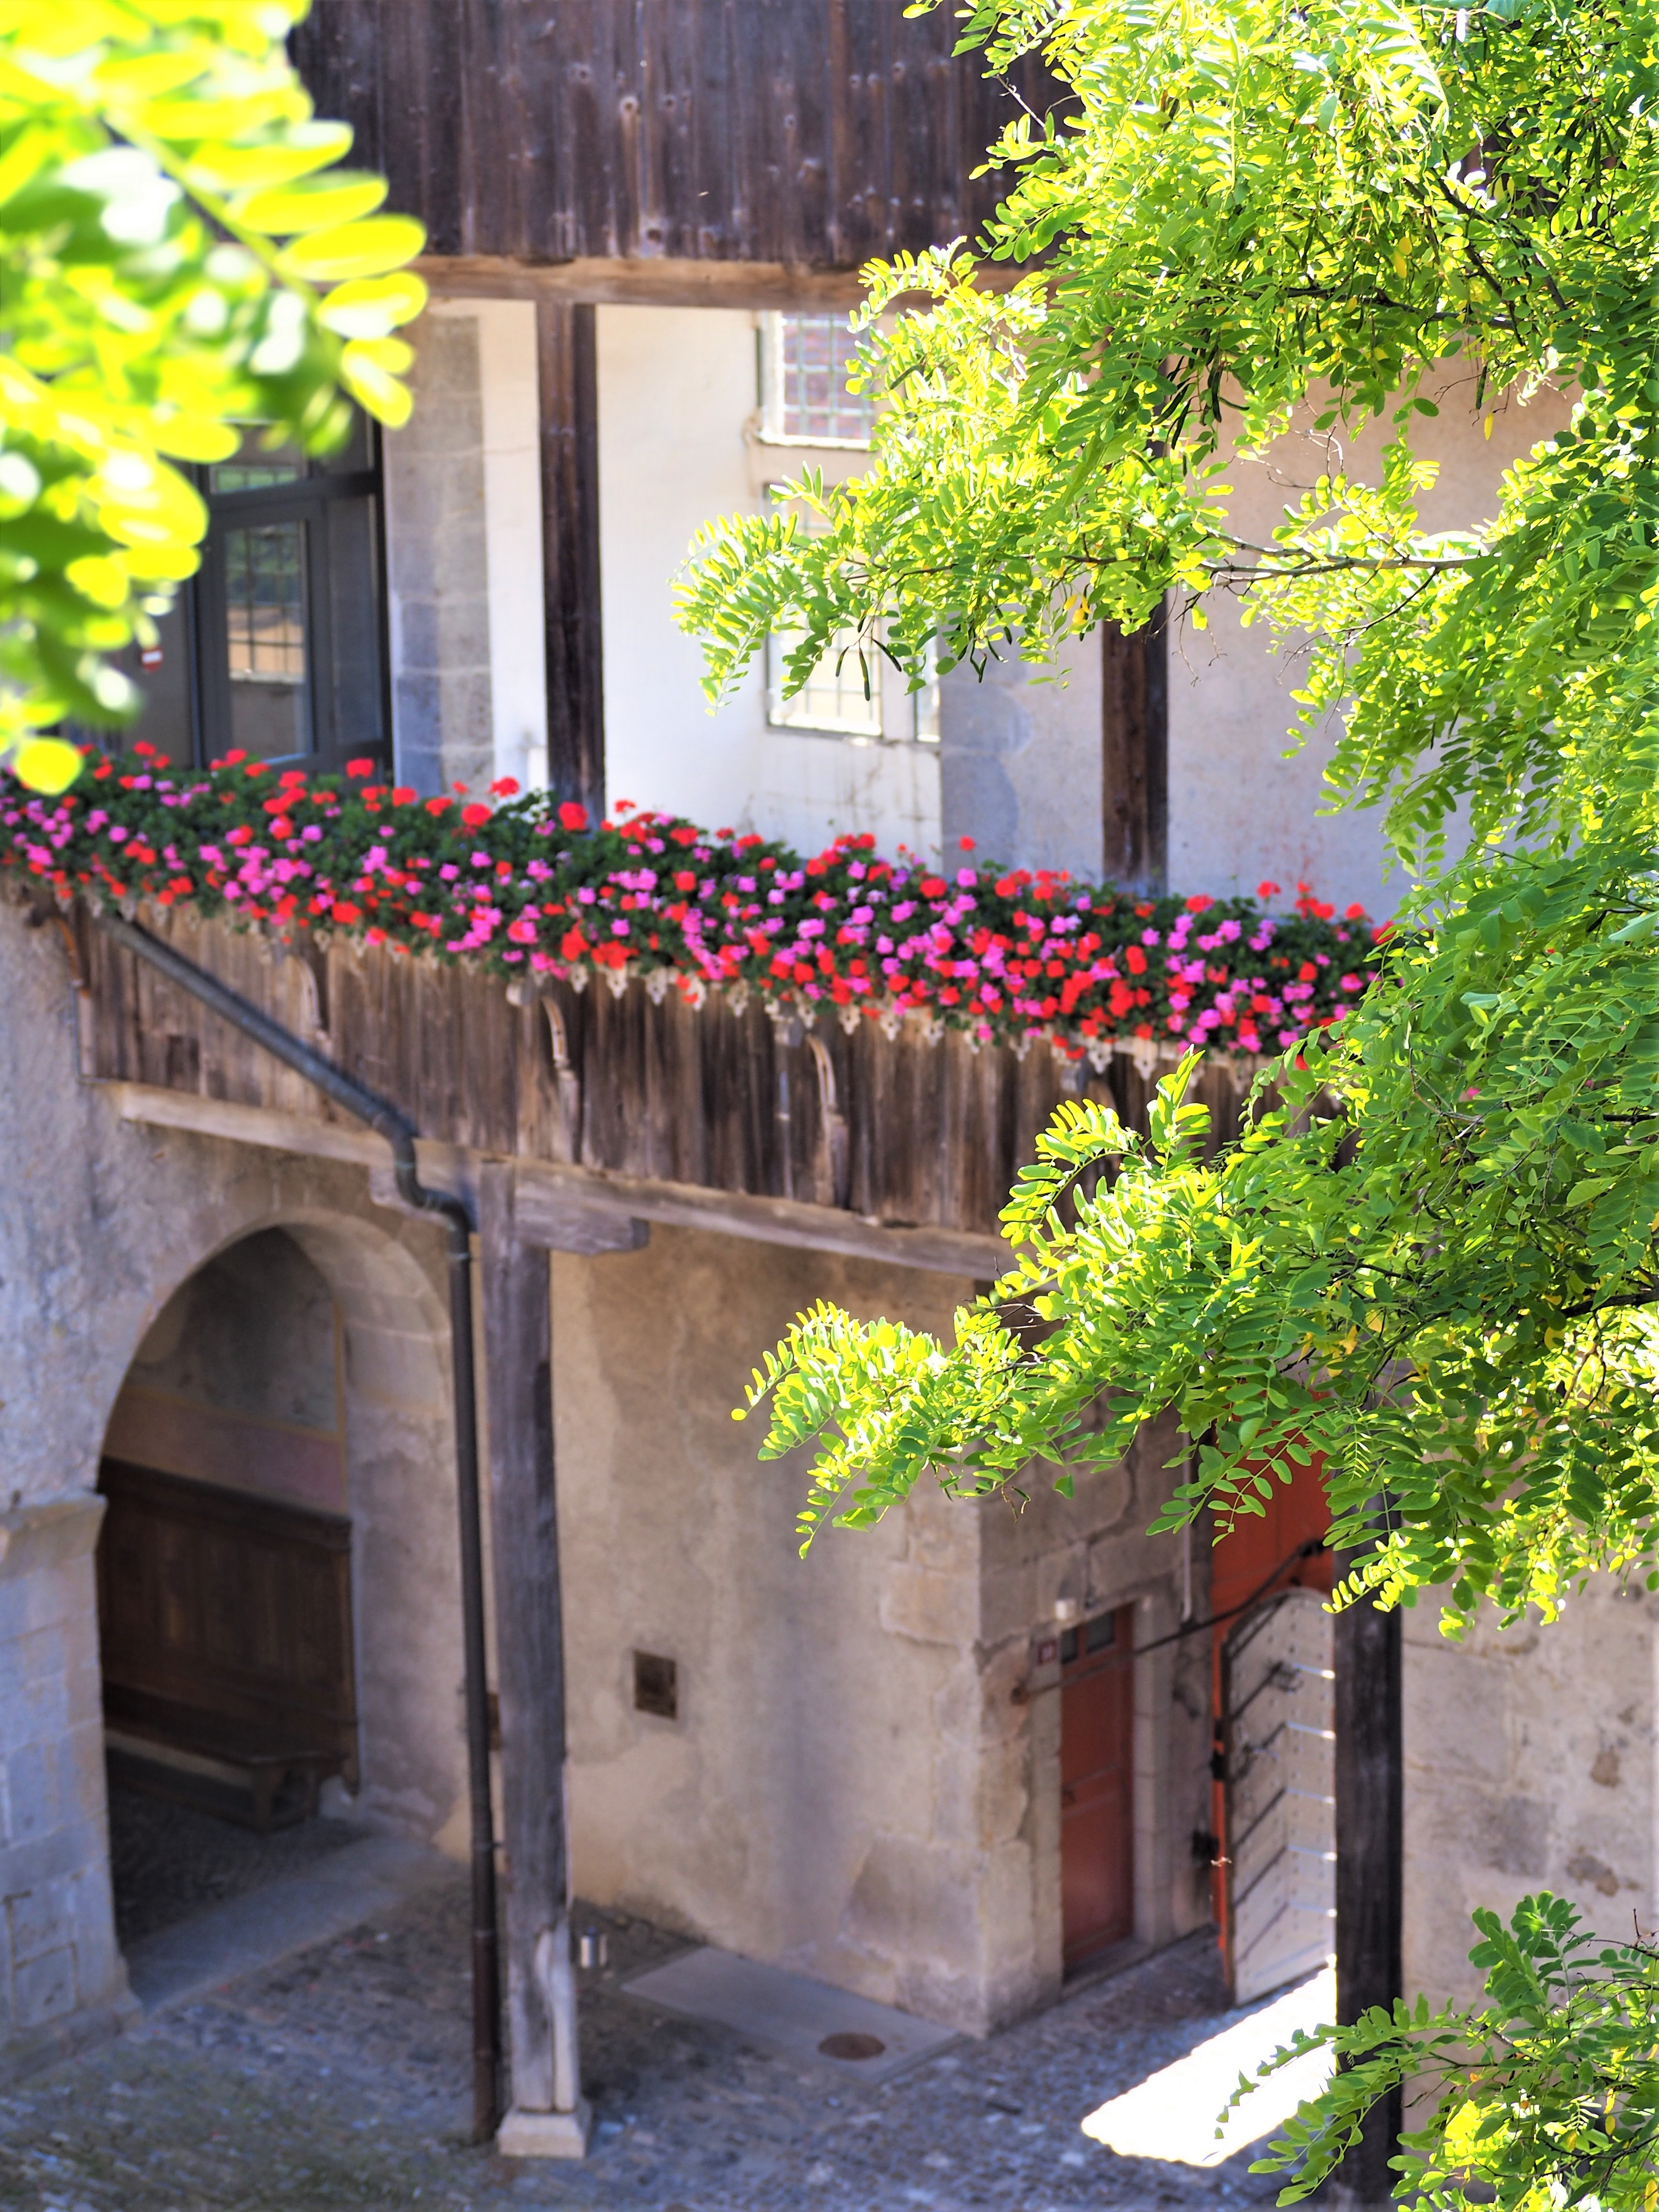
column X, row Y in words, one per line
column 1428, row 1265
column 530, row 885
column 1544, row 2097
column 179, row 254
column 1429, row 1262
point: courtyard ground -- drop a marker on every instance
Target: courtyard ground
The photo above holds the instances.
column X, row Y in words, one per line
column 338, row 2076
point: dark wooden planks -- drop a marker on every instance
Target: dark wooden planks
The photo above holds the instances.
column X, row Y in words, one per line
column 1369, row 1857
column 812, row 133
column 529, row 1642
column 911, row 1130
column 235, row 1607
column 567, row 371
column 1134, row 755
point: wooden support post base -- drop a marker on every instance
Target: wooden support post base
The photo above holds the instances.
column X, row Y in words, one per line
column 546, row 2134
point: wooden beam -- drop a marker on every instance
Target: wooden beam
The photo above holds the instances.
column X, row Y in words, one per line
column 1369, row 1854
column 545, row 1189
column 1134, row 755
column 567, row 377
column 528, row 1674
column 556, row 1205
column 595, row 280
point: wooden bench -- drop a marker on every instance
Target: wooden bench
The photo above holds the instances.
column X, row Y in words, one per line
column 226, row 1626
column 191, row 1757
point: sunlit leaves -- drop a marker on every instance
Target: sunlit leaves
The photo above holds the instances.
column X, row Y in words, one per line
column 1429, row 1267
column 1429, row 1262
column 155, row 156
column 1546, row 2095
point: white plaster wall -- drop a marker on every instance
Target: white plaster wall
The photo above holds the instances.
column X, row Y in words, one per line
column 1021, row 765
column 677, row 408
column 1240, row 811
column 511, row 412
column 807, row 1807
column 851, row 1788
column 1529, row 1765
column 833, row 1795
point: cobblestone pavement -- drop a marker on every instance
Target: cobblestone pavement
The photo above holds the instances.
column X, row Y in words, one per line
column 167, row 1860
column 338, row 2079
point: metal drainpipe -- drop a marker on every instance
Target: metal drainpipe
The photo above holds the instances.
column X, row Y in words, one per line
column 400, row 1133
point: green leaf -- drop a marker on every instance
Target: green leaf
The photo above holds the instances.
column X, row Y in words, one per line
column 329, row 202
column 353, row 249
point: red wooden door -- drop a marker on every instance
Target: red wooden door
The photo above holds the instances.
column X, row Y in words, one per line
column 1097, row 1739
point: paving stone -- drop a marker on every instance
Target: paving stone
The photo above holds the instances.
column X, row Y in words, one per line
column 169, row 1861
column 339, row 2079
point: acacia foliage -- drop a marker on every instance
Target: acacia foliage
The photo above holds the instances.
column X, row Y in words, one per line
column 180, row 253
column 1544, row 2096
column 1430, row 1261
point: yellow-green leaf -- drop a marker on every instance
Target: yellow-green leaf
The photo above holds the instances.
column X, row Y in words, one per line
column 354, row 249
column 98, row 578
column 46, row 764
column 375, row 387
column 305, row 148
column 369, row 307
column 320, row 202
column 193, row 437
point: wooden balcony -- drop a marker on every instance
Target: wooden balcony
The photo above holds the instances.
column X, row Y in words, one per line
column 616, row 1107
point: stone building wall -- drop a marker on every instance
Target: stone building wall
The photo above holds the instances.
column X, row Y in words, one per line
column 101, row 1222
column 1529, row 1765
column 62, row 1984
column 851, row 1788
column 438, row 568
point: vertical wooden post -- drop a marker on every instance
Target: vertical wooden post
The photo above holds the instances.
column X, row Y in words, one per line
column 1134, row 755
column 548, row 2118
column 1370, row 1841
column 567, row 376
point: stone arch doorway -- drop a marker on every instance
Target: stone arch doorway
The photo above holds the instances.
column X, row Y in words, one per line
column 279, row 1614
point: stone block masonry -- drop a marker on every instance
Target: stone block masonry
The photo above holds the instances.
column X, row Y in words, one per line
column 61, row 1982
column 439, row 568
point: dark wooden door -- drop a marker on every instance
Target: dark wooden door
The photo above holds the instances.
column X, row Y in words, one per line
column 231, row 1609
column 1096, row 1804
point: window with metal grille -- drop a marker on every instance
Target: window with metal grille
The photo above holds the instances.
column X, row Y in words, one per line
column 275, row 647
column 803, row 383
column 853, row 692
